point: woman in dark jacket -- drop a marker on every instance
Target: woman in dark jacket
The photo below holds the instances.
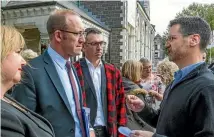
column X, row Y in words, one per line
column 131, row 72
column 17, row 120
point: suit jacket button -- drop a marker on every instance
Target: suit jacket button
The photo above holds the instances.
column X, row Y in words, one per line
column 72, row 130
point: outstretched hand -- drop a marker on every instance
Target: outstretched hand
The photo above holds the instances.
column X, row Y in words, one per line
column 139, row 133
column 134, row 103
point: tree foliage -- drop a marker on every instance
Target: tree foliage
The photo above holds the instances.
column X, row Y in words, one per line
column 205, row 11
column 210, row 55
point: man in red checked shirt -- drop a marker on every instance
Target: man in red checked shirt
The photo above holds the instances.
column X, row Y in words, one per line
column 102, row 87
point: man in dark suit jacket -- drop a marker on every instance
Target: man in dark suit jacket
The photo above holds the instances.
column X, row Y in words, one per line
column 102, row 87
column 46, row 87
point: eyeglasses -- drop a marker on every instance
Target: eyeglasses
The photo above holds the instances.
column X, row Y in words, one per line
column 172, row 37
column 102, row 44
column 146, row 68
column 79, row 34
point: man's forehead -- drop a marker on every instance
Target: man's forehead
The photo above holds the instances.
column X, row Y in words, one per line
column 75, row 22
column 147, row 64
column 174, row 29
column 94, row 37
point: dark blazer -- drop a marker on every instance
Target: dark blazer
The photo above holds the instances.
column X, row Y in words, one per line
column 187, row 108
column 91, row 96
column 41, row 90
column 22, row 122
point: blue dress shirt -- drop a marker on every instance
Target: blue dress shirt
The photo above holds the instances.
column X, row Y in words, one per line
column 59, row 63
column 180, row 74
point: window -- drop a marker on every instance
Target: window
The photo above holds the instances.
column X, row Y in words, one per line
column 156, row 47
column 156, row 55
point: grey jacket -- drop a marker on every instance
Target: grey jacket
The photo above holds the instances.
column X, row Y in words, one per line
column 134, row 121
column 18, row 121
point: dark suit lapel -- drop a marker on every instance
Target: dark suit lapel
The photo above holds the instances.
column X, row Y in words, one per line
column 103, row 92
column 87, row 76
column 52, row 72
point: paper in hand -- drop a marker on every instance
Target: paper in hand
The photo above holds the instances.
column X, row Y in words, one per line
column 125, row 131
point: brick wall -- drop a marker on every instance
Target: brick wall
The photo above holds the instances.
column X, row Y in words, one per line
column 111, row 13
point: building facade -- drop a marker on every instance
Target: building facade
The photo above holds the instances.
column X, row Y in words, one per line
column 159, row 51
column 125, row 25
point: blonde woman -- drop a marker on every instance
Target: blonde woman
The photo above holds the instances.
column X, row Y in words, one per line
column 131, row 72
column 16, row 120
column 165, row 70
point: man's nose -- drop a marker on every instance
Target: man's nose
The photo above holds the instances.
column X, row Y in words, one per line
column 81, row 39
column 167, row 44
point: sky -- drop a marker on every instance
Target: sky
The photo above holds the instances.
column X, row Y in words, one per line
column 162, row 11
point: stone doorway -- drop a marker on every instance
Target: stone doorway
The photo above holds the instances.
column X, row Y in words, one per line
column 32, row 38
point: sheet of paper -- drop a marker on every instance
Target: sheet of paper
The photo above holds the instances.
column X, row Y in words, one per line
column 125, row 131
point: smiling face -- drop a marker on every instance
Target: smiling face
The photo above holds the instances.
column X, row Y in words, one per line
column 147, row 69
column 11, row 67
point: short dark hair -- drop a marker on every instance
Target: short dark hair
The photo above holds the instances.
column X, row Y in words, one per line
column 194, row 25
column 57, row 20
column 92, row 31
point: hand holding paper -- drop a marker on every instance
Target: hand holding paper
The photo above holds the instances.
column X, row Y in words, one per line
column 125, row 131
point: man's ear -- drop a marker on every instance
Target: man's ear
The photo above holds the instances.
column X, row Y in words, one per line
column 58, row 36
column 195, row 40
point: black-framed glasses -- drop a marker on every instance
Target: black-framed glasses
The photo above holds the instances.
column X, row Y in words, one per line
column 79, row 34
column 172, row 37
column 96, row 44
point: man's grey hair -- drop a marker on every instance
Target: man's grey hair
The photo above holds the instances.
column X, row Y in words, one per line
column 194, row 25
column 144, row 60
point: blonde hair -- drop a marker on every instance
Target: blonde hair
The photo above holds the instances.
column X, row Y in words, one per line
column 167, row 69
column 131, row 69
column 28, row 54
column 11, row 40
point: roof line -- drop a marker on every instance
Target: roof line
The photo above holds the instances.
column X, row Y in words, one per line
column 29, row 5
column 52, row 3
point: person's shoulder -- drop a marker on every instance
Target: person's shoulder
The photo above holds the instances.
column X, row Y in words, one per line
column 36, row 60
column 206, row 75
column 35, row 63
column 9, row 117
column 212, row 69
column 110, row 66
column 77, row 63
column 156, row 77
column 203, row 81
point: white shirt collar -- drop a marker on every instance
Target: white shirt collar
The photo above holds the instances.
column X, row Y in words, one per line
column 89, row 63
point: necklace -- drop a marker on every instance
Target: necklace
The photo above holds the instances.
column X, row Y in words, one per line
column 14, row 104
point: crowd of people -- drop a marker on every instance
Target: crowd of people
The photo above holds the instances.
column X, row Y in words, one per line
column 49, row 96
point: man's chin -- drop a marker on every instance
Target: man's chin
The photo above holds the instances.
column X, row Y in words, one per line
column 74, row 54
